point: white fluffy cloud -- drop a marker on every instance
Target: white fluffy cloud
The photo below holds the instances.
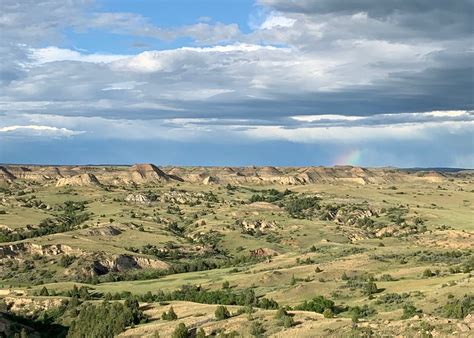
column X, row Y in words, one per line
column 54, row 54
column 36, row 130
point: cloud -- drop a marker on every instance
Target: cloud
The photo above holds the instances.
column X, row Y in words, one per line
column 36, row 130
column 405, row 132
column 435, row 19
column 306, row 72
column 304, row 129
column 54, row 54
column 277, row 21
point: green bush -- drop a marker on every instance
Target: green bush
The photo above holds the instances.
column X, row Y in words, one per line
column 257, row 329
column 327, row 313
column 201, row 333
column 170, row 315
column 222, row 313
column 44, row 291
column 317, row 304
column 370, row 288
column 106, row 319
column 288, row 321
column 410, row 311
column 181, row 331
column 281, row 313
column 364, row 311
column 459, row 308
column 427, row 273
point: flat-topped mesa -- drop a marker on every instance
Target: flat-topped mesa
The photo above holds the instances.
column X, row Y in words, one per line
column 144, row 173
column 81, row 180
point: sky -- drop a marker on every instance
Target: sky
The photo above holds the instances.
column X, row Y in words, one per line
column 237, row 82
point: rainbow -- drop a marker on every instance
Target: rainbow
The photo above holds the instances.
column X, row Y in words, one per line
column 351, row 157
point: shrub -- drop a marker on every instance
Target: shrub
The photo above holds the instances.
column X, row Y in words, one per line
column 222, row 313
column 317, row 304
column 170, row 315
column 200, row 333
column 181, row 331
column 327, row 313
column 364, row 311
column 387, row 278
column 293, row 280
column 281, row 313
column 459, row 308
column 302, row 207
column 370, row 288
column 256, row 329
column 410, row 311
column 288, row 321
column 66, row 260
column 427, row 273
column 105, row 320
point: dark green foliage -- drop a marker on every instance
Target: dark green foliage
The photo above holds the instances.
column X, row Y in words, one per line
column 257, row 329
column 370, row 288
column 196, row 294
column 181, row 331
column 170, row 315
column 82, row 292
column 66, row 260
column 271, row 195
column 397, row 214
column 318, row 304
column 45, row 323
column 327, row 313
column 222, row 313
column 44, row 291
column 410, row 311
column 106, row 319
column 458, row 308
column 281, row 313
column 288, row 321
column 285, row 319
column 393, row 298
column 427, row 273
column 72, row 214
column 360, row 312
column 302, row 207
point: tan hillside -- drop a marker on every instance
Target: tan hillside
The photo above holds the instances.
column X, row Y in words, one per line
column 81, row 180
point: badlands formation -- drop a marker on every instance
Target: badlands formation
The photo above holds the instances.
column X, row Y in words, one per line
column 149, row 173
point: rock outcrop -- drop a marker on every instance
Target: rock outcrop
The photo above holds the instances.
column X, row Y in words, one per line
column 137, row 198
column 119, row 263
column 82, row 180
column 149, row 173
column 19, row 249
column 108, row 230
